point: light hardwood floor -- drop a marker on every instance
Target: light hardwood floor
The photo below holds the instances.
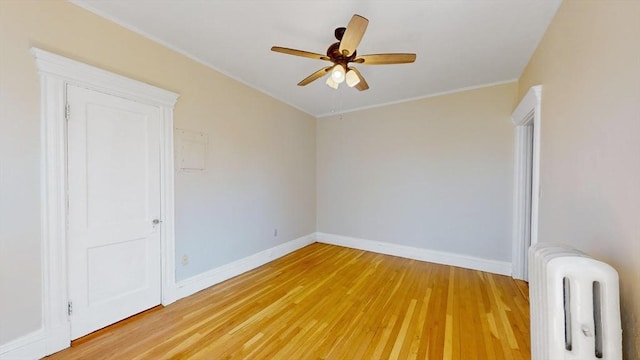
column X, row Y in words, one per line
column 330, row 302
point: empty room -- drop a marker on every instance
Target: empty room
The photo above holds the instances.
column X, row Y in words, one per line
column 218, row 179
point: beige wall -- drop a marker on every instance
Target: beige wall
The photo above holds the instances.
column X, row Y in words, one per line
column 261, row 159
column 589, row 65
column 452, row 153
column 434, row 173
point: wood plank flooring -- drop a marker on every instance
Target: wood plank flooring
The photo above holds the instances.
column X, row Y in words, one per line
column 330, row 302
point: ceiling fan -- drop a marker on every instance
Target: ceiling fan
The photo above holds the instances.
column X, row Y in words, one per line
column 343, row 53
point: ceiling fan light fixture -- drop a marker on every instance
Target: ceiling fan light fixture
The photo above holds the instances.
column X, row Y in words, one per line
column 352, row 78
column 342, row 53
column 338, row 73
column 331, row 83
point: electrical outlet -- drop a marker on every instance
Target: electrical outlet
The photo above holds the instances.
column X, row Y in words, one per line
column 275, row 232
column 185, row 260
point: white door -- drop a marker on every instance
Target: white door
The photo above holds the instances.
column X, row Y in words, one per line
column 114, row 198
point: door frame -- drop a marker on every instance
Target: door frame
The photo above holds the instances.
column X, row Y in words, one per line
column 526, row 118
column 56, row 72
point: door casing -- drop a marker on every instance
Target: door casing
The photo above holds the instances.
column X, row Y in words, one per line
column 527, row 120
column 55, row 73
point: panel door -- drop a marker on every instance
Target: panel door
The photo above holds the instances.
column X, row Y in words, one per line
column 114, row 200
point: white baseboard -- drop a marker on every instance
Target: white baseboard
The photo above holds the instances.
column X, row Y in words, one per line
column 202, row 281
column 410, row 252
column 37, row 344
column 30, row 346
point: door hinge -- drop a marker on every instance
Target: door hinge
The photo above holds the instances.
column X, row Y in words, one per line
column 67, row 111
column 69, row 308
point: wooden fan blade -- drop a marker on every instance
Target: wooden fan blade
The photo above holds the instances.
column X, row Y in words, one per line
column 385, row 59
column 315, row 76
column 299, row 53
column 362, row 85
column 353, row 35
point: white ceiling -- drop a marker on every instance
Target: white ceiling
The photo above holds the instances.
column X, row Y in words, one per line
column 459, row 43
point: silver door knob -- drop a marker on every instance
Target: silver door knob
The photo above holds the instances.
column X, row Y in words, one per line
column 156, row 221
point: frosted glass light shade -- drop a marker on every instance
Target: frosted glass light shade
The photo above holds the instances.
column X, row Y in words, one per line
column 338, row 73
column 352, row 78
column 332, row 83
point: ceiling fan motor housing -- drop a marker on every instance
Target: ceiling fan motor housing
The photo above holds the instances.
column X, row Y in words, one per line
column 333, row 52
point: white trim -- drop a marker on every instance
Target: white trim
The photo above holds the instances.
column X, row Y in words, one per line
column 410, row 252
column 214, row 276
column 77, row 73
column 35, row 345
column 167, row 206
column 30, row 346
column 526, row 118
column 55, row 73
column 421, row 97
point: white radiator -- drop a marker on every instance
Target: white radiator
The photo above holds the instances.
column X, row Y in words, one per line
column 575, row 305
